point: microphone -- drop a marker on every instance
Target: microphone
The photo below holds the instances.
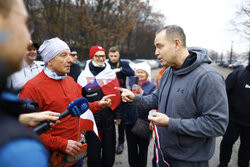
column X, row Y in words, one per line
column 30, row 107
column 75, row 108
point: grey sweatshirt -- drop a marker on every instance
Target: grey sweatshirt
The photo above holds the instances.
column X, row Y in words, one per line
column 195, row 100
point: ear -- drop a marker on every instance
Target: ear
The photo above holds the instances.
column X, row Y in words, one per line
column 177, row 43
column 49, row 63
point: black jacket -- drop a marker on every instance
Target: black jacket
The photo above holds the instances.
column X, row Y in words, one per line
column 126, row 71
column 75, row 71
column 238, row 91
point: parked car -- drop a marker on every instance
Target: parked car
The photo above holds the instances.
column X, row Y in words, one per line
column 41, row 63
column 136, row 61
column 82, row 64
column 153, row 63
column 130, row 62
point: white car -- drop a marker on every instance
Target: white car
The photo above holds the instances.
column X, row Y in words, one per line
column 41, row 63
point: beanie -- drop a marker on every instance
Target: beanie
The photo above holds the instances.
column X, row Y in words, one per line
column 95, row 49
column 145, row 67
column 52, row 47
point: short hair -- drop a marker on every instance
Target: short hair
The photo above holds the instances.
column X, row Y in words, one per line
column 6, row 6
column 174, row 31
column 114, row 49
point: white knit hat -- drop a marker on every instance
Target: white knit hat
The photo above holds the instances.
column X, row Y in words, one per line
column 52, row 47
column 145, row 67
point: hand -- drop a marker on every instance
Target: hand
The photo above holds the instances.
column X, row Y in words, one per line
column 33, row 119
column 159, row 119
column 118, row 121
column 137, row 88
column 73, row 147
column 105, row 101
column 116, row 70
column 127, row 95
column 151, row 125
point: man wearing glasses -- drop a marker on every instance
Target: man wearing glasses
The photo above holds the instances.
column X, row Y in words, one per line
column 30, row 69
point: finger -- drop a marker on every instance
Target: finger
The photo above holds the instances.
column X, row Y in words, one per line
column 128, row 99
column 125, row 99
column 120, row 89
column 108, row 96
column 74, row 152
column 52, row 118
column 77, row 149
column 156, row 114
column 109, row 104
column 79, row 145
column 150, row 118
column 52, row 113
column 51, row 124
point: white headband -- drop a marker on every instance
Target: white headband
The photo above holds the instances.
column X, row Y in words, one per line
column 52, row 47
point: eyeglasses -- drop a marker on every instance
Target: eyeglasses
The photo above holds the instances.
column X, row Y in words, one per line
column 100, row 56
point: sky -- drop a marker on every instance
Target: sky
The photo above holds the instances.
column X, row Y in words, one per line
column 206, row 23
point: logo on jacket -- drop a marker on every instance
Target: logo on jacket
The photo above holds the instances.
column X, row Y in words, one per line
column 247, row 86
column 180, row 90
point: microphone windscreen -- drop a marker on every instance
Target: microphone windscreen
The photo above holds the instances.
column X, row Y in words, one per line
column 78, row 106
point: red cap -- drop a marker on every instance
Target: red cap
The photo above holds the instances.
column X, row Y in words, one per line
column 95, row 49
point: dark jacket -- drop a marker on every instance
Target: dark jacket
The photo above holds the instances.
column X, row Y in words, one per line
column 75, row 71
column 130, row 116
column 126, row 71
column 238, row 91
column 16, row 139
column 194, row 97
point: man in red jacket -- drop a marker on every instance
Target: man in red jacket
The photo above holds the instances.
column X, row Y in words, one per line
column 53, row 90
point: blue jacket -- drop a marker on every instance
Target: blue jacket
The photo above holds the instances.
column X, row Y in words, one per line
column 130, row 115
column 19, row 146
column 194, row 98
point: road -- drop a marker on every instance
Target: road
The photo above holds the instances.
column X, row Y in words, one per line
column 122, row 159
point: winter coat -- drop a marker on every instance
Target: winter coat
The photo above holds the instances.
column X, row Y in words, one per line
column 194, row 98
column 238, row 91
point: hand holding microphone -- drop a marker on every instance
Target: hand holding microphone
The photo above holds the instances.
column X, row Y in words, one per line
column 75, row 108
column 33, row 119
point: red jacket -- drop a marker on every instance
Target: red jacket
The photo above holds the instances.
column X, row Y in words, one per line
column 56, row 95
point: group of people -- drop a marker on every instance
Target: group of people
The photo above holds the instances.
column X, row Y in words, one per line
column 191, row 102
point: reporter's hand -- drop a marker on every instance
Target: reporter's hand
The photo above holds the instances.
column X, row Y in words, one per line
column 73, row 147
column 105, row 101
column 159, row 119
column 127, row 95
column 33, row 119
column 118, row 121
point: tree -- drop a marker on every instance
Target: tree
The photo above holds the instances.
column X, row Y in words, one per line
column 242, row 21
column 131, row 25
